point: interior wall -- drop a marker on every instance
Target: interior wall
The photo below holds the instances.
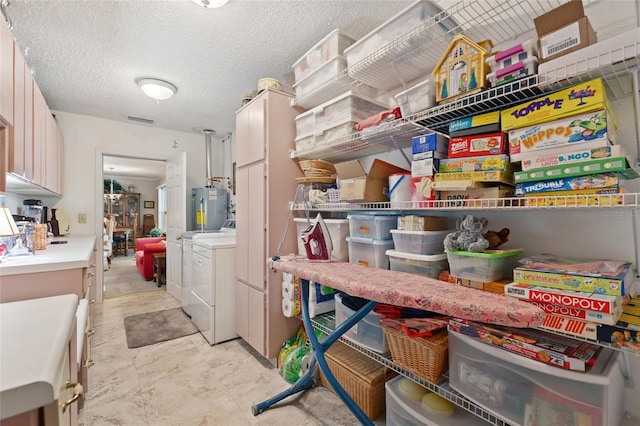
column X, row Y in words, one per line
column 147, row 188
column 85, row 136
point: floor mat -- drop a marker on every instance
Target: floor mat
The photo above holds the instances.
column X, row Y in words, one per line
column 153, row 327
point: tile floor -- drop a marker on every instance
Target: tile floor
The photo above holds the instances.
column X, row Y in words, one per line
column 123, row 278
column 186, row 381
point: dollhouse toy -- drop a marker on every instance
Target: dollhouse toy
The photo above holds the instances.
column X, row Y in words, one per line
column 462, row 69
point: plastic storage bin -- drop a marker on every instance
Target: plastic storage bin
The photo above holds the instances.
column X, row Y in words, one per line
column 427, row 265
column 521, row 387
column 344, row 108
column 367, row 332
column 368, row 252
column 418, row 98
column 377, row 227
column 316, row 79
column 492, row 265
column 419, row 242
column 326, row 49
column 519, row 70
column 338, row 230
column 402, row 410
column 390, row 30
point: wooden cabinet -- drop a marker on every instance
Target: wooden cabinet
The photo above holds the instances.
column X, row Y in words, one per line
column 265, row 131
column 125, row 209
column 33, row 141
column 6, row 75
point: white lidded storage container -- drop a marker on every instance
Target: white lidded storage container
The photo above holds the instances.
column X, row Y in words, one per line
column 419, row 242
column 418, row 98
column 377, row 227
column 338, row 230
column 405, row 411
column 491, row 265
column 400, row 24
column 322, row 139
column 525, row 391
column 428, row 265
column 368, row 252
column 367, row 332
column 341, row 109
column 324, row 74
column 323, row 51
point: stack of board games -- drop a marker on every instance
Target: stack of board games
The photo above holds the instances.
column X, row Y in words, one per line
column 490, row 286
column 477, row 165
column 565, row 143
column 557, row 351
column 428, row 150
column 582, row 301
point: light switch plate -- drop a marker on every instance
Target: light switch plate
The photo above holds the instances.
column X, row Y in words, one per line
column 82, row 218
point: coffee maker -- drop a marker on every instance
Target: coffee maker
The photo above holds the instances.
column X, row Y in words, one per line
column 35, row 210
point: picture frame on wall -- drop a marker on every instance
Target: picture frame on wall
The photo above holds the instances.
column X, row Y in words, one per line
column 149, row 204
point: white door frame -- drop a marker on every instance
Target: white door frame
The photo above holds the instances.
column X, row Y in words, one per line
column 99, row 188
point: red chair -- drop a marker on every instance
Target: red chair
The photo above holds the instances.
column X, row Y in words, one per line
column 145, row 248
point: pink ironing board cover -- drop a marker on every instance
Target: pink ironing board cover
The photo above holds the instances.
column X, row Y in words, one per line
column 414, row 291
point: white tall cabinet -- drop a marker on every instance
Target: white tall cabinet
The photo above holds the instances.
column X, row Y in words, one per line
column 265, row 131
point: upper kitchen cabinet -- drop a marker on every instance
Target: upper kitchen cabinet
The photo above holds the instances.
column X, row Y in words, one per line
column 6, row 75
column 34, row 143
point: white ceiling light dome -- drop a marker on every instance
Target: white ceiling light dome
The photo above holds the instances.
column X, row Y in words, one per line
column 211, row 3
column 159, row 90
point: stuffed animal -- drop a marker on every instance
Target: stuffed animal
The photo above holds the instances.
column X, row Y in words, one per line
column 469, row 235
column 496, row 239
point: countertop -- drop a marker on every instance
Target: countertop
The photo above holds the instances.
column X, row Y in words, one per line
column 34, row 341
column 76, row 253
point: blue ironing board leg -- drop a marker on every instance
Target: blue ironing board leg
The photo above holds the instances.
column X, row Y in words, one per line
column 306, row 381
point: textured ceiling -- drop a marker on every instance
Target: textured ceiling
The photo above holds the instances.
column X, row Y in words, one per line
column 86, row 55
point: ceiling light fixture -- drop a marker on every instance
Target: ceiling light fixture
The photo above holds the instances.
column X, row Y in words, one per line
column 159, row 90
column 210, row 3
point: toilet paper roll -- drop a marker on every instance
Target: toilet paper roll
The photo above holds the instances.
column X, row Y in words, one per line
column 287, row 277
column 399, row 187
column 290, row 308
column 321, row 308
column 289, row 290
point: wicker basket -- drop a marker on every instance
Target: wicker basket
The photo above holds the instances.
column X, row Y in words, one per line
column 360, row 376
column 425, row 357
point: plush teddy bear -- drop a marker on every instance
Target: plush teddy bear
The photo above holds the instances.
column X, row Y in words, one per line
column 469, row 235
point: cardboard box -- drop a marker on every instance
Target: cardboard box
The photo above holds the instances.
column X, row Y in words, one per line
column 578, row 99
column 563, row 30
column 426, row 167
column 429, row 142
column 430, row 154
column 570, row 155
column 490, row 286
column 466, row 198
column 572, row 130
column 475, row 164
column 422, row 190
column 491, row 176
column 618, row 165
column 357, row 185
column 577, row 198
column 470, row 146
column 422, row 223
column 599, row 180
column 477, row 124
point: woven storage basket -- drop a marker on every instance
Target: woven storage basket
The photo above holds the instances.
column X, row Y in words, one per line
column 362, row 378
column 425, row 357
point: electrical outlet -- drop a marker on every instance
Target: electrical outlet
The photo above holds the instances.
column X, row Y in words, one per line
column 82, row 218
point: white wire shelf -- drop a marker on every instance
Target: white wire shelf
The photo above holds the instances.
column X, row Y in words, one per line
column 543, row 202
column 418, row 51
column 376, row 140
column 326, row 324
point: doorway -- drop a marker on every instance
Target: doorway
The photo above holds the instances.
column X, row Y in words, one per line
column 130, row 197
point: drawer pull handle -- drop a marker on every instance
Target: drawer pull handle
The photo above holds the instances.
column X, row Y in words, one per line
column 91, row 275
column 90, row 363
column 93, row 265
column 92, row 301
column 77, row 391
column 91, row 332
column 178, row 237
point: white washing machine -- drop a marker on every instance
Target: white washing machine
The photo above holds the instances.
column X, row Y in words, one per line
column 213, row 291
column 228, row 230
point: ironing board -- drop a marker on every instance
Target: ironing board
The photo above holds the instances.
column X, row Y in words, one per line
column 394, row 288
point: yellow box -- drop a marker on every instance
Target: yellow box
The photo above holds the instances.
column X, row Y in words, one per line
column 578, row 198
column 486, row 176
column 581, row 98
